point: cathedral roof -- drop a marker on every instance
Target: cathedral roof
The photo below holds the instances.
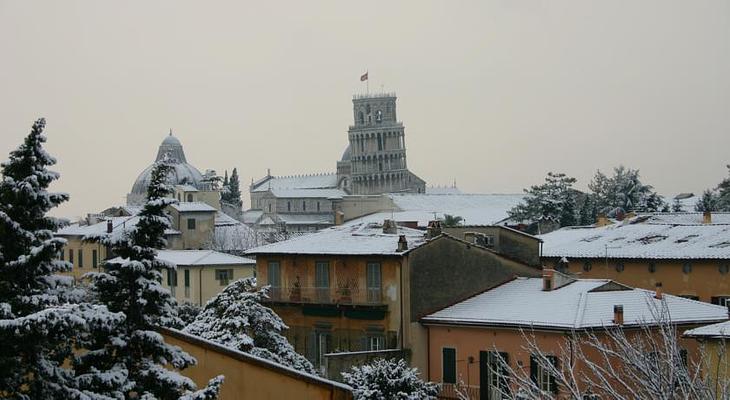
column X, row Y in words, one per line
column 347, row 155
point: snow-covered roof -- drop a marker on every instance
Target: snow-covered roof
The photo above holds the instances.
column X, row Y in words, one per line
column 682, row 218
column 251, row 216
column 119, row 224
column 196, row 258
column 720, row 331
column 581, row 304
column 652, row 238
column 223, row 219
column 475, row 209
column 360, row 239
column 309, row 193
column 316, row 181
column 187, row 188
column 304, row 219
column 193, row 206
column 442, row 190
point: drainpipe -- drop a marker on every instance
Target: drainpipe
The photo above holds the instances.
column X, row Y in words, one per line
column 402, row 324
column 200, row 286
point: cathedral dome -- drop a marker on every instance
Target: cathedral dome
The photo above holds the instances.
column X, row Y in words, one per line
column 181, row 173
column 347, row 155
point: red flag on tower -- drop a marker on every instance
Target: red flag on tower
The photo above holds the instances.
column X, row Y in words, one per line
column 364, row 77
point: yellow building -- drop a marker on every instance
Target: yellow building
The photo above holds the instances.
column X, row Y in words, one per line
column 202, row 274
column 688, row 253
column 249, row 377
column 716, row 366
column 363, row 287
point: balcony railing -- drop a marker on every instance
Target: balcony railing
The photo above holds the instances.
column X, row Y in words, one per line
column 452, row 392
column 326, row 295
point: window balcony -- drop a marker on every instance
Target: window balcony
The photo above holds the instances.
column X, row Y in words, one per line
column 326, row 295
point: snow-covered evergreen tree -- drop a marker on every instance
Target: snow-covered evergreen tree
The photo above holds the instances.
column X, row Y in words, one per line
column 133, row 287
column 625, row 192
column 588, row 210
column 708, row 202
column 677, row 205
column 723, row 194
column 38, row 327
column 389, row 380
column 236, row 318
column 234, row 188
column 554, row 200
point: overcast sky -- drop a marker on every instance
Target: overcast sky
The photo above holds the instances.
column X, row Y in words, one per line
column 493, row 94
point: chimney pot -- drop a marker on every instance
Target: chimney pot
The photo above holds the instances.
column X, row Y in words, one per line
column 434, row 229
column 658, row 291
column 707, row 217
column 402, row 243
column 618, row 315
column 601, row 220
column 389, row 227
column 109, row 226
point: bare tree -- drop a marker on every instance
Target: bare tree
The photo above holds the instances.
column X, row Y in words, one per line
column 646, row 362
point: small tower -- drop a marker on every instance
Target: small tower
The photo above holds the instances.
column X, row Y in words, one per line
column 377, row 150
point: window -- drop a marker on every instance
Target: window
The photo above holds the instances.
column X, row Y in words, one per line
column 720, row 300
column 620, row 267
column 71, row 256
column 81, row 259
column 723, row 268
column 448, row 365
column 190, row 198
column 373, row 282
column 378, row 116
column 288, row 205
column 304, row 205
column 322, row 280
column 376, row 343
column 187, row 283
column 493, row 375
column 540, row 373
column 274, row 274
column 587, row 266
column 224, row 276
column 318, row 206
column 172, row 280
column 380, row 142
column 687, row 268
column 94, row 259
column 191, row 224
column 652, row 267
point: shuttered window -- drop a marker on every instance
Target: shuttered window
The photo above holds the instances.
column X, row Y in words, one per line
column 274, row 274
column 448, row 360
column 541, row 374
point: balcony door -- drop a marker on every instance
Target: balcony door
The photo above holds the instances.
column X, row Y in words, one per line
column 322, row 281
column 493, row 375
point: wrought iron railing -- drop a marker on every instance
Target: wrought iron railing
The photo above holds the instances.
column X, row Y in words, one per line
column 326, row 295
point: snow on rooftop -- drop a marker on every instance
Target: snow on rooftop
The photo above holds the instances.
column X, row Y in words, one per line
column 577, row 305
column 223, row 219
column 187, row 188
column 317, row 181
column 475, row 209
column 197, row 257
column 682, row 218
column 359, row 239
column 119, row 224
column 721, row 330
column 193, row 206
column 658, row 237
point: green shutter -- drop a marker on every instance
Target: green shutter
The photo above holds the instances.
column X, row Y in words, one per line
column 449, row 365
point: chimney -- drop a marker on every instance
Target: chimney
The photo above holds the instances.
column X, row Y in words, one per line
column 601, row 220
column 390, row 227
column 547, row 280
column 434, row 229
column 658, row 291
column 707, row 217
column 618, row 315
column 109, row 226
column 402, row 243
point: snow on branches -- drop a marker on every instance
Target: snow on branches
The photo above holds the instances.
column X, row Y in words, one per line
column 236, row 318
column 389, row 379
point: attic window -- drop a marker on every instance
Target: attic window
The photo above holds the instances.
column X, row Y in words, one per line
column 720, row 245
column 686, row 238
column 590, row 239
column 651, row 239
